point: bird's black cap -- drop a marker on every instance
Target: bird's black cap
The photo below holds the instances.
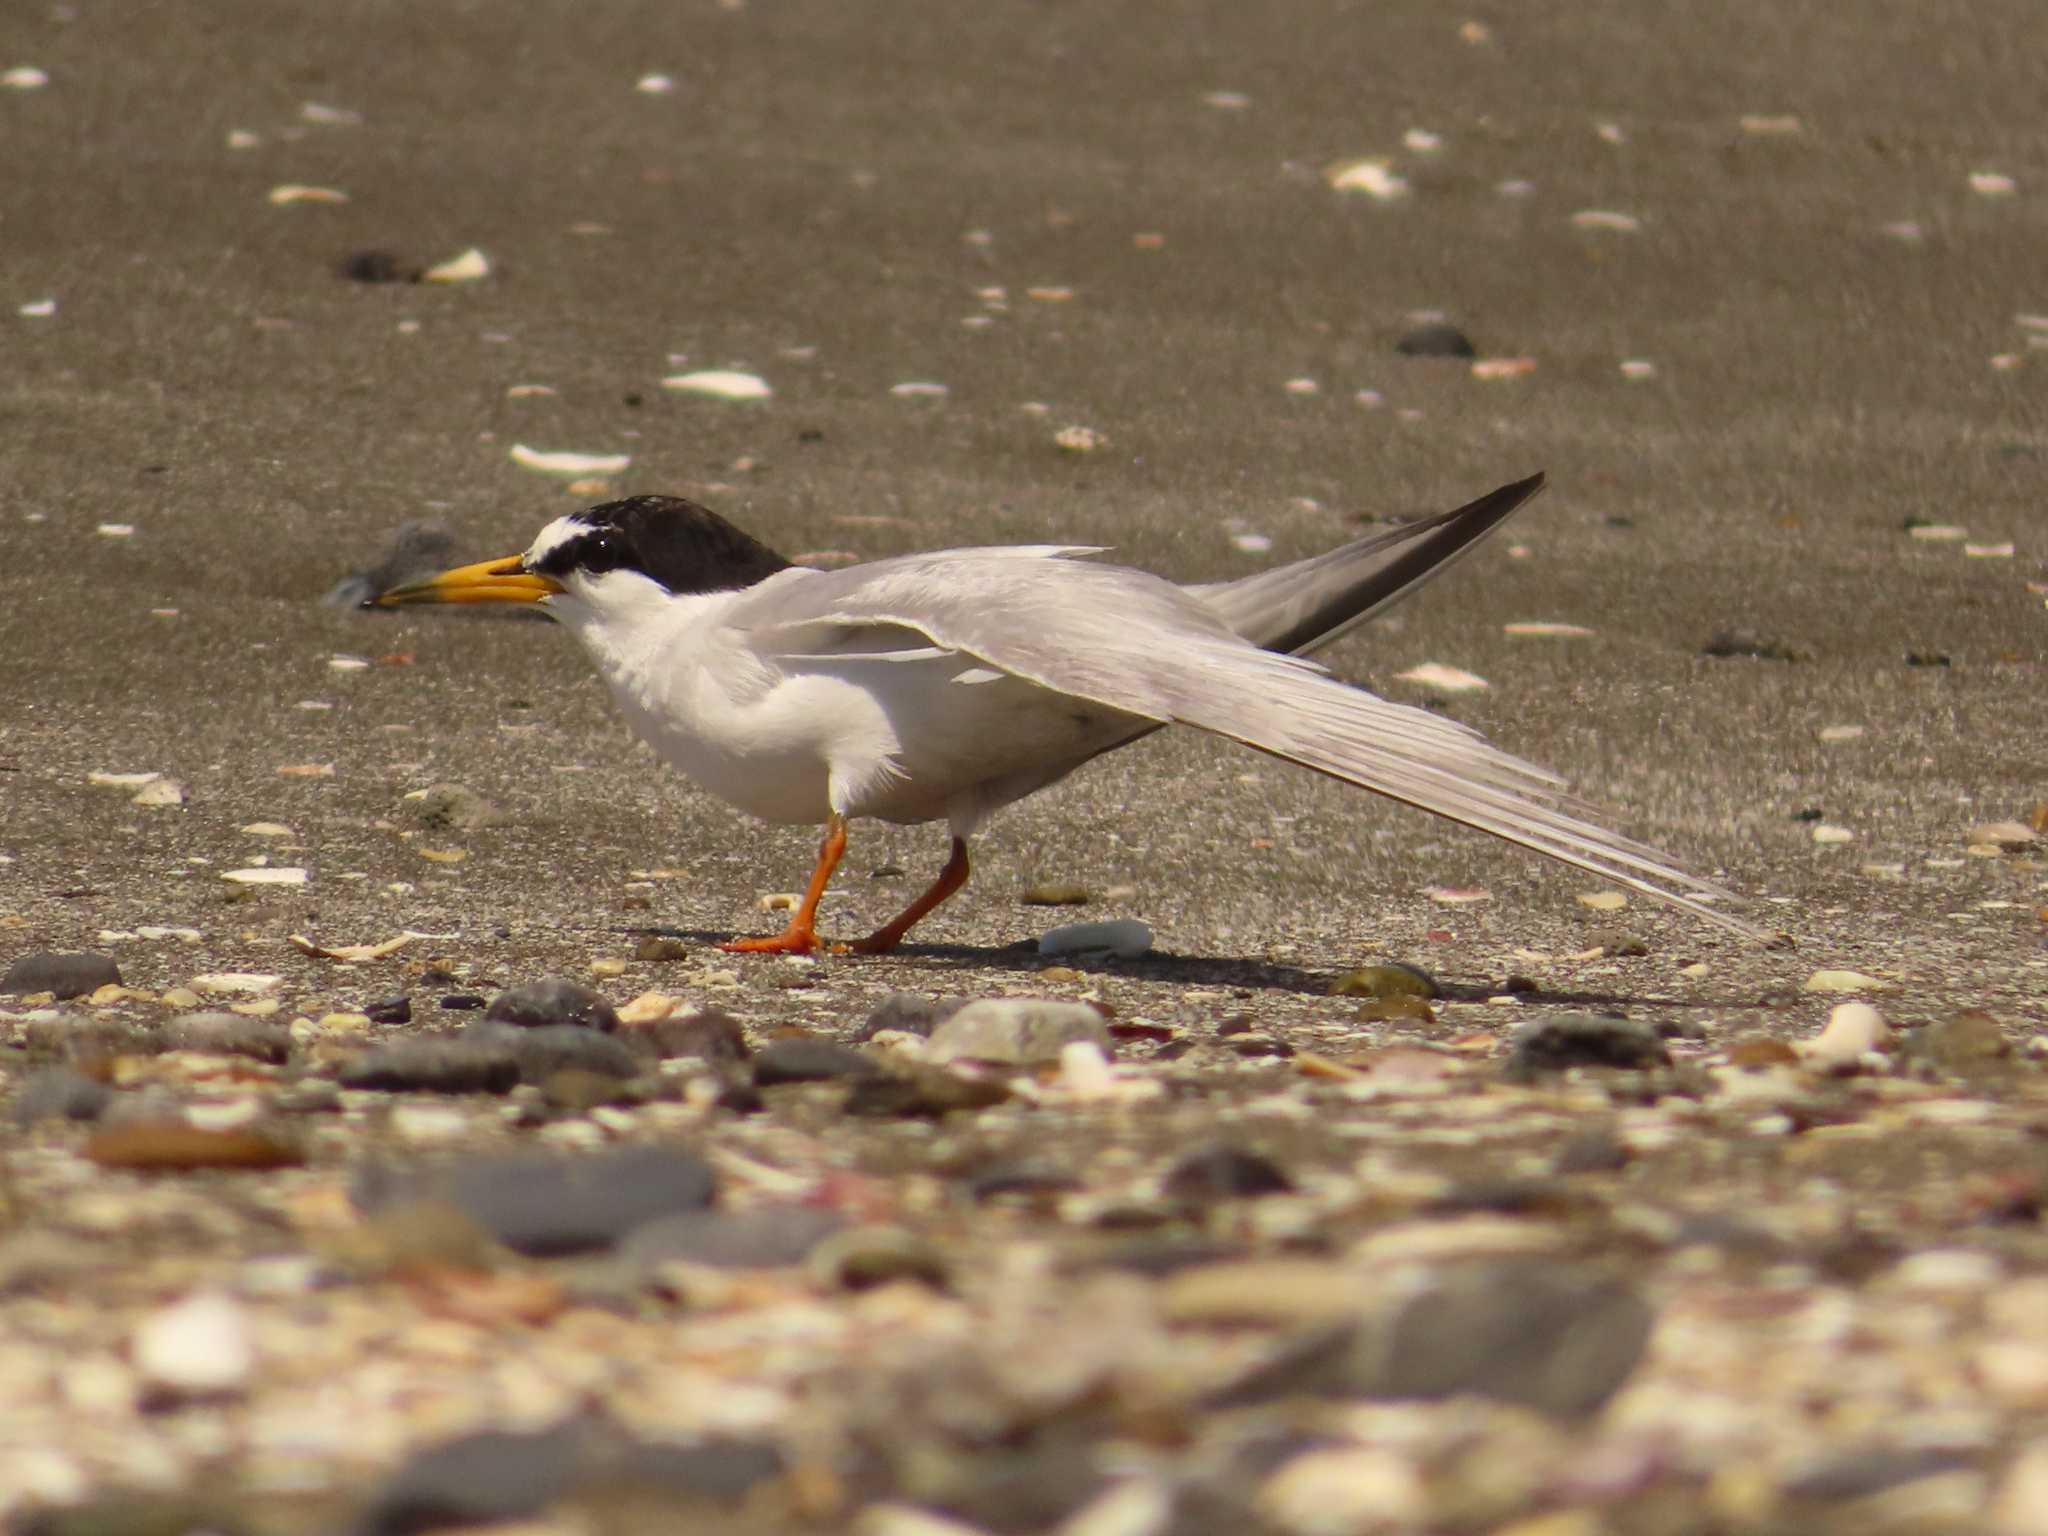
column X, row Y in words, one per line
column 672, row 541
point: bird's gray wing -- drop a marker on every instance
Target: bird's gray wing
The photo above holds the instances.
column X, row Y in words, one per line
column 1138, row 644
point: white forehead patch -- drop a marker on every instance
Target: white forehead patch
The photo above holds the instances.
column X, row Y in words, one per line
column 553, row 537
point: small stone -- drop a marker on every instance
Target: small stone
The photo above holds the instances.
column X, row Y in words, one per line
column 161, row 795
column 170, row 1146
column 1757, row 1053
column 228, row 1034
column 608, row 968
column 1126, row 938
column 539, row 1051
column 58, row 1093
column 236, row 984
column 553, row 1000
column 1852, row 1030
column 1022, row 1030
column 2006, row 836
column 203, row 1346
column 1747, row 643
column 579, row 1090
column 1055, row 895
column 1584, row 1040
column 390, row 1010
column 763, row 1237
column 1213, row 1174
column 923, row 1093
column 660, row 949
column 1962, row 1042
column 1395, row 980
column 802, row 1059
column 709, row 1035
column 1552, row 1337
column 1436, row 339
column 62, row 974
column 543, row 1205
column 435, row 1066
column 1842, row 981
column 911, row 1013
column 491, row 1476
column 452, row 807
column 861, row 1258
column 1344, row 1490
column 1603, row 901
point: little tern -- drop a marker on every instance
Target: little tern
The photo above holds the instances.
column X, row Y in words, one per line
column 944, row 686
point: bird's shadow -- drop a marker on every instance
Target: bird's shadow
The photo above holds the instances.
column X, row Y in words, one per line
column 1212, row 971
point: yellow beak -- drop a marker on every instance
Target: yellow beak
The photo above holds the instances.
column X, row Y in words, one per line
column 488, row 581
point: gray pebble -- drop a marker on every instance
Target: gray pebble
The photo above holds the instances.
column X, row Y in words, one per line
column 454, row 808
column 798, row 1060
column 910, row 1012
column 228, row 1034
column 58, row 1093
column 63, row 973
column 708, row 1035
column 434, row 1066
column 540, row 1051
column 1024, row 1030
column 765, row 1237
column 553, row 1000
column 1569, row 1040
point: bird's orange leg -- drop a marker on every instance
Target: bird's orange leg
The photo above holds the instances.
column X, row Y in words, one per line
column 801, row 936
column 887, row 937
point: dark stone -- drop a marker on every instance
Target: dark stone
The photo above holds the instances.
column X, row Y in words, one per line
column 910, row 1012
column 1029, row 1181
column 925, row 1093
column 1856, row 1474
column 708, row 1035
column 741, row 1099
column 84, row 1039
column 1927, row 659
column 1595, row 1150
column 540, row 1051
column 463, row 1001
column 808, row 1061
column 764, row 1237
column 553, row 1000
column 434, row 1066
column 1556, row 1338
column 490, row 1476
column 543, row 1205
column 1747, row 643
column 1436, row 339
column 1260, row 1045
column 229, row 1034
column 1224, row 1173
column 1237, row 1024
column 718, row 1469
column 173, row 1147
column 64, row 973
column 1583, row 1040
column 376, row 267
column 658, row 947
column 391, row 1010
column 58, row 1093
column 578, row 1091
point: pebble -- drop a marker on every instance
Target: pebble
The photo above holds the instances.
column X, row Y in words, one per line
column 923, row 1093
column 861, row 1258
column 1843, row 981
column 434, row 1066
column 1055, row 895
column 1126, row 938
column 470, row 266
column 803, row 1059
column 389, row 1010
column 1375, row 178
column 429, row 1124
column 911, row 1013
column 203, row 1346
column 1385, row 981
column 1583, row 1040
column 1962, row 1042
column 1211, row 1174
column 267, row 874
column 58, row 1093
column 490, row 1476
column 452, row 807
column 709, row 1035
column 63, row 974
column 1026, row 1031
column 1436, row 339
column 1556, row 1338
column 2006, row 836
column 1852, row 1030
column 164, row 794
column 661, row 948
column 541, row 1050
column 171, row 1146
column 553, row 1000
column 228, row 1034
column 1345, row 1491
column 763, row 1237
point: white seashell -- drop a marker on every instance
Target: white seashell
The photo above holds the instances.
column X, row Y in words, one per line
column 654, row 85
column 121, row 780
column 24, row 77
column 1442, row 679
column 914, row 389
column 38, row 309
column 1992, row 184
column 236, row 983
column 719, row 384
column 277, row 874
column 1560, row 631
column 163, row 794
column 1375, row 178
column 1606, row 218
column 568, row 463
column 1124, row 937
column 1638, row 368
column 468, row 267
column 292, row 192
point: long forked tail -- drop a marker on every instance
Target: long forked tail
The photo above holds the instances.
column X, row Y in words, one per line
column 1315, row 602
